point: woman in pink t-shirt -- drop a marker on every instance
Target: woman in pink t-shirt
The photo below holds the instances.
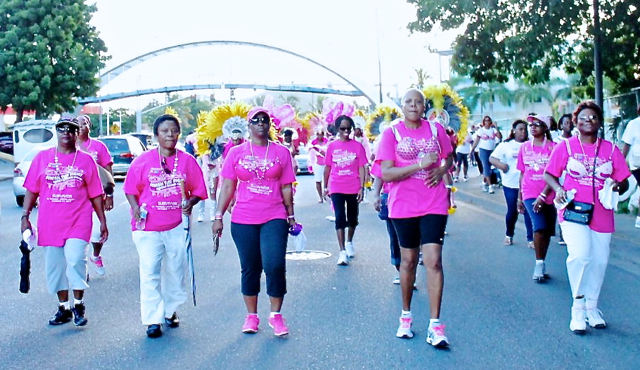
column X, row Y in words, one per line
column 535, row 195
column 317, row 153
column 588, row 163
column 67, row 184
column 262, row 172
column 415, row 155
column 344, row 176
column 100, row 153
column 154, row 189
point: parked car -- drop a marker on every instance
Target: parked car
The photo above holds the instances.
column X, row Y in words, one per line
column 124, row 149
column 302, row 158
column 20, row 172
column 144, row 138
column 30, row 134
column 6, row 142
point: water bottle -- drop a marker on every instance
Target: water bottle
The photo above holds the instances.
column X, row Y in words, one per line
column 141, row 223
column 569, row 195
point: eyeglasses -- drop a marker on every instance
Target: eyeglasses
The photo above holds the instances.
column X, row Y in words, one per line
column 591, row 117
column 63, row 129
column 257, row 120
column 345, row 128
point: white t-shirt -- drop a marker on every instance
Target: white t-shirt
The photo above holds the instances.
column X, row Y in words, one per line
column 507, row 152
column 465, row 146
column 487, row 138
column 631, row 136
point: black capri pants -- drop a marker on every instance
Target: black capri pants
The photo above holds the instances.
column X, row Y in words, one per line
column 262, row 247
column 345, row 217
column 414, row 232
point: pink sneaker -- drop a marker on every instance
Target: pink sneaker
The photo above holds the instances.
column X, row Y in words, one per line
column 97, row 264
column 251, row 323
column 279, row 326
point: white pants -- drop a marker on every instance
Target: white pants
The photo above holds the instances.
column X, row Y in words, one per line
column 95, row 229
column 66, row 267
column 587, row 260
column 163, row 260
column 318, row 173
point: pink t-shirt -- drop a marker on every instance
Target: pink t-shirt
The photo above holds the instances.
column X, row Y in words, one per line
column 411, row 197
column 579, row 175
column 161, row 192
column 65, row 192
column 228, row 147
column 98, row 150
column 319, row 151
column 260, row 175
column 532, row 161
column 376, row 171
column 345, row 159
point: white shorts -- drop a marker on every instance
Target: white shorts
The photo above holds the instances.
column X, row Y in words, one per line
column 66, row 267
column 318, row 173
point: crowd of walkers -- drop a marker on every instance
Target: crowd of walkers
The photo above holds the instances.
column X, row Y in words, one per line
column 570, row 180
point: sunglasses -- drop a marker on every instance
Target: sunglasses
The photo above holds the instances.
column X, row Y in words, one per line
column 257, row 120
column 63, row 129
column 345, row 128
column 591, row 117
column 538, row 124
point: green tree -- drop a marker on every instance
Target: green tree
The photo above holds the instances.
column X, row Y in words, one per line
column 527, row 94
column 422, row 78
column 292, row 100
column 485, row 94
column 50, row 55
column 528, row 38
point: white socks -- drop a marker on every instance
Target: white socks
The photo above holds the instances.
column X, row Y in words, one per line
column 406, row 314
column 434, row 322
column 64, row 304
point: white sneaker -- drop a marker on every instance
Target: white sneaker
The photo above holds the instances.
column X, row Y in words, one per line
column 491, row 191
column 485, row 188
column 404, row 330
column 343, row 260
column 594, row 318
column 200, row 217
column 396, row 279
column 638, row 222
column 538, row 272
column 578, row 323
column 331, row 218
column 436, row 337
column 349, row 249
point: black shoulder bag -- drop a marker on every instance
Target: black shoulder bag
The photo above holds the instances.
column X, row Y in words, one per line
column 579, row 212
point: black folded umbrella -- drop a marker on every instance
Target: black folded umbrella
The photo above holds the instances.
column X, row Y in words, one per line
column 25, row 267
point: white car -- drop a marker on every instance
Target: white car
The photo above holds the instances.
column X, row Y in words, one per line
column 20, row 172
column 303, row 160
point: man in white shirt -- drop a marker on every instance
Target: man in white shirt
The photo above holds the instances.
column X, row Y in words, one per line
column 631, row 140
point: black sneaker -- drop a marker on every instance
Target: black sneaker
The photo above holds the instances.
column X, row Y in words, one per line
column 62, row 316
column 173, row 321
column 78, row 315
column 154, row 331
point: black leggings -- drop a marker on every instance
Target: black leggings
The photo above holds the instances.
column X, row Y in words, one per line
column 348, row 217
column 262, row 246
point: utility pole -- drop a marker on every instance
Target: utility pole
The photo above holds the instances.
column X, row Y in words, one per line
column 597, row 54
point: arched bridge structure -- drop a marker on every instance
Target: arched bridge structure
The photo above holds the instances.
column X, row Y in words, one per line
column 113, row 73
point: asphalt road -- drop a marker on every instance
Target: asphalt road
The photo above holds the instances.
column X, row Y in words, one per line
column 340, row 317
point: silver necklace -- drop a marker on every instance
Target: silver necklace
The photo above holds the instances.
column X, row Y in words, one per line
column 259, row 168
column 163, row 162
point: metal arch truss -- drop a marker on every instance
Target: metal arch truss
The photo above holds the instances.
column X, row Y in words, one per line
column 168, row 89
column 108, row 76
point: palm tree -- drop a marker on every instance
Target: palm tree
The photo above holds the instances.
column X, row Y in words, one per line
column 526, row 94
column 485, row 94
column 258, row 100
column 422, row 78
column 292, row 100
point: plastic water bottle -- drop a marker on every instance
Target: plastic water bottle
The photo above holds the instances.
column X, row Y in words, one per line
column 569, row 195
column 142, row 222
